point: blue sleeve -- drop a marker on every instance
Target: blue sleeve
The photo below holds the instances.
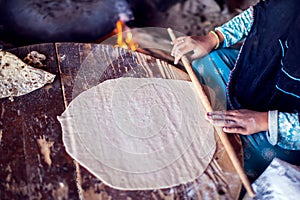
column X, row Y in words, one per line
column 237, row 28
column 288, row 131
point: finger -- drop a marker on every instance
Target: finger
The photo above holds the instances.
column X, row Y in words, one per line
column 183, row 46
column 225, row 112
column 220, row 115
column 219, row 112
column 178, row 48
column 177, row 58
column 176, row 53
column 177, row 43
column 234, row 112
column 179, row 40
column 239, row 130
column 227, row 123
column 179, row 51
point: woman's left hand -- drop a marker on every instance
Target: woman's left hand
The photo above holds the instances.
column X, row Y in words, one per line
column 242, row 121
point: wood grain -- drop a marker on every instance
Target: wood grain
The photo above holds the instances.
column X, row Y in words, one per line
column 24, row 174
column 84, row 68
column 31, row 119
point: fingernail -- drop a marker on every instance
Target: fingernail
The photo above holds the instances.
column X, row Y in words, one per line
column 172, row 54
column 172, row 43
column 209, row 115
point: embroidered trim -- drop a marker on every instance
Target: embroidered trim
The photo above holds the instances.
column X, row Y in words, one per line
column 235, row 64
column 281, row 61
column 282, row 51
column 230, row 78
column 287, row 92
column 282, row 48
column 286, row 44
column 294, row 78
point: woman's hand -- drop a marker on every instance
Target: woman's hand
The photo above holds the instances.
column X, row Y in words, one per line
column 242, row 121
column 199, row 46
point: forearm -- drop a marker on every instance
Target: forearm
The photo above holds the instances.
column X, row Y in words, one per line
column 226, row 35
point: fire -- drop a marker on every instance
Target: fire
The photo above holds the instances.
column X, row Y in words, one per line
column 128, row 42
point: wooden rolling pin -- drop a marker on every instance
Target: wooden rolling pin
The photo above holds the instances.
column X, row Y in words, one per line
column 224, row 139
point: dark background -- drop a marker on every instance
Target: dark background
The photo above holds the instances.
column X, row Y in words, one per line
column 49, row 22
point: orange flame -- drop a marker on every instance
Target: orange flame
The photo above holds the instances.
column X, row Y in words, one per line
column 128, row 42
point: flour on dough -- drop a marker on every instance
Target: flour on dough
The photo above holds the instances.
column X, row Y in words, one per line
column 138, row 133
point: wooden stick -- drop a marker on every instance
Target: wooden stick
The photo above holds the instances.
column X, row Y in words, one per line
column 224, row 139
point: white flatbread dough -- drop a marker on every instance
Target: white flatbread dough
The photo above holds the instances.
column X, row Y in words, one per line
column 138, row 133
column 18, row 78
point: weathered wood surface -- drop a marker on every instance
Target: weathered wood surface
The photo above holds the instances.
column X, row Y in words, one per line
column 29, row 123
column 84, row 68
column 28, row 126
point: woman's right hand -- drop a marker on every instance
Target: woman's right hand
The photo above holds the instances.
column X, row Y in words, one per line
column 199, row 46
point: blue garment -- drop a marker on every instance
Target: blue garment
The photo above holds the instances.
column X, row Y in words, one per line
column 289, row 131
column 268, row 65
column 237, row 28
column 213, row 70
column 287, row 128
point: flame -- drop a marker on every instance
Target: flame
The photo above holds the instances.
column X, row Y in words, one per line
column 128, row 42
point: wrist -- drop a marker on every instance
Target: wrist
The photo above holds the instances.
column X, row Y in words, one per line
column 265, row 125
column 215, row 40
column 220, row 35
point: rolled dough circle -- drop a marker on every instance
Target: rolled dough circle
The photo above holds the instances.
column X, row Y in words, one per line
column 138, row 133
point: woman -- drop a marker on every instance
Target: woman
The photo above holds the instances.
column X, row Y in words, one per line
column 263, row 87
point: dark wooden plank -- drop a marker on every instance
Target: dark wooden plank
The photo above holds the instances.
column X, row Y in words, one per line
column 81, row 67
column 26, row 121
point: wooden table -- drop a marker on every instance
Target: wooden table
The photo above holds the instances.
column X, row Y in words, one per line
column 29, row 123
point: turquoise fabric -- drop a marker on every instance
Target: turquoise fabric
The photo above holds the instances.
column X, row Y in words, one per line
column 289, row 133
column 213, row 70
column 237, row 28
